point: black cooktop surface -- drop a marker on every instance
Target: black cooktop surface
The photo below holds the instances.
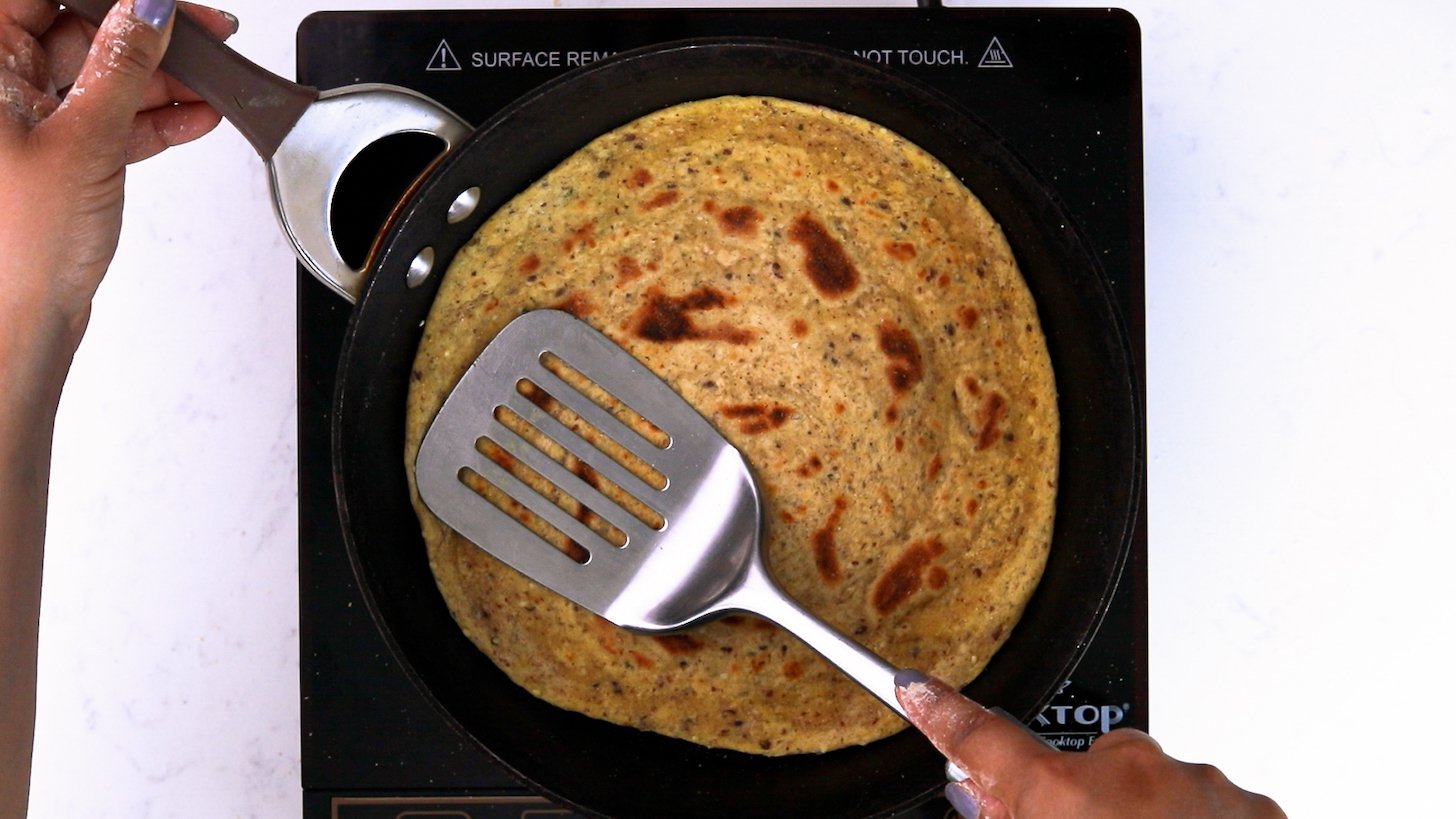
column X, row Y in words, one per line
column 1061, row 88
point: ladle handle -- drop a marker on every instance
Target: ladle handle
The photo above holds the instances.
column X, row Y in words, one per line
column 263, row 106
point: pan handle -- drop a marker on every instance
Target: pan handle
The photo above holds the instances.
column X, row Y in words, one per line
column 306, row 138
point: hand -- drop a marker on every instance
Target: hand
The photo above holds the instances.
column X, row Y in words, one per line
column 73, row 113
column 63, row 158
column 1012, row 774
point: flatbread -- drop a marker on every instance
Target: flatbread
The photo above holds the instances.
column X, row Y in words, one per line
column 847, row 313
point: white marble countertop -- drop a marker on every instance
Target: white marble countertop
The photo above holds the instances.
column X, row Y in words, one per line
column 1299, row 163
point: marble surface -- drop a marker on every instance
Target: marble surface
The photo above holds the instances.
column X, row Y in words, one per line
column 1299, row 165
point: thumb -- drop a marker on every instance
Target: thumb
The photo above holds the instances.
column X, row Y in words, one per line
column 98, row 112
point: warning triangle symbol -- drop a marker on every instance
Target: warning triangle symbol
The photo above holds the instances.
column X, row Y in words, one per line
column 995, row 56
column 443, row 59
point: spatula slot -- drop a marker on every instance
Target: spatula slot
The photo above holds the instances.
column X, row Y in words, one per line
column 574, row 464
column 605, row 399
column 533, row 522
column 606, row 444
column 545, row 488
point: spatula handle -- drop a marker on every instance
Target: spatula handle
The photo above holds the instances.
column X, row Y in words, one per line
column 762, row 596
column 263, row 106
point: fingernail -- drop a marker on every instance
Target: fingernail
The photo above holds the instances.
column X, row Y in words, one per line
column 907, row 677
column 232, row 19
column 154, row 13
column 962, row 800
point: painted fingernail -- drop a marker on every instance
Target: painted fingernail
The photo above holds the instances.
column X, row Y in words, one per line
column 964, row 802
column 154, row 13
column 906, row 677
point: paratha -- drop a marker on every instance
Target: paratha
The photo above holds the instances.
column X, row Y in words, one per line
column 849, row 315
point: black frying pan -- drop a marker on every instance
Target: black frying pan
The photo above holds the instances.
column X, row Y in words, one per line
column 601, row 768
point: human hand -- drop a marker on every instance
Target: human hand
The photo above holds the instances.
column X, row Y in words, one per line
column 73, row 113
column 1012, row 774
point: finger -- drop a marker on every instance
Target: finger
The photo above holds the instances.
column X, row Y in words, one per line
column 68, row 41
column 1123, row 736
column 21, row 55
column 991, row 750
column 98, row 113
column 21, row 102
column 161, row 128
column 35, row 17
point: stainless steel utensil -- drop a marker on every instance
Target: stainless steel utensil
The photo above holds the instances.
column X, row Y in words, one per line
column 703, row 560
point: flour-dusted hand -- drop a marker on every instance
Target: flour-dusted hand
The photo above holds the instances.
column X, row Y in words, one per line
column 76, row 105
column 1013, row 775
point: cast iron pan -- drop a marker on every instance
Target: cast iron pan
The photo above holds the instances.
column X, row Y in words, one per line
column 600, row 768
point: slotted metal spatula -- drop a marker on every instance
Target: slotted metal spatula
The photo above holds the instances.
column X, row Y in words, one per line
column 686, row 551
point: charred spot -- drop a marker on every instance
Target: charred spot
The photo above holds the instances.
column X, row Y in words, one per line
column 905, row 368
column 627, row 269
column 902, row 251
column 576, row 551
column 826, row 557
column 972, row 506
column 937, row 577
column 740, row 221
column 584, row 236
column 990, row 414
column 576, row 304
column 661, row 199
column 667, row 319
column 810, row 467
column 903, row 579
column 639, row 178
column 932, row 469
column 973, row 386
column 799, row 328
column 756, row 418
column 416, row 375
column 679, row 644
column 831, row 186
column 530, row 264
column 537, row 396
column 793, row 669
column 825, row 262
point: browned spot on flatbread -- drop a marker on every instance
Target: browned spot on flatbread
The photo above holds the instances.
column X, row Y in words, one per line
column 991, row 412
column 639, row 178
column 799, row 328
column 932, row 469
column 810, row 467
column 584, row 235
column 757, row 418
column 905, row 368
column 826, row 558
column 903, row 579
column 641, row 660
column 793, row 669
column 902, row 251
column 740, row 221
column 679, row 643
column 661, row 199
column 536, row 395
column 666, row 319
column 529, row 264
column 825, row 262
column 627, row 269
column 576, row 304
